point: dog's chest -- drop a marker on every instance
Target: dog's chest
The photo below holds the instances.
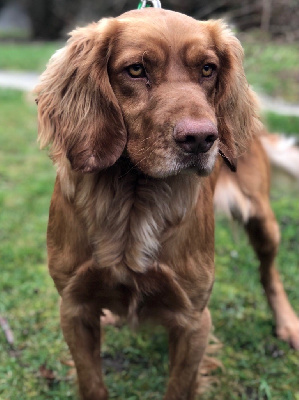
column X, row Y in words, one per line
column 127, row 217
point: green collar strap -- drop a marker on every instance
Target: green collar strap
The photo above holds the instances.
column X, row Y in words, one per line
column 147, row 3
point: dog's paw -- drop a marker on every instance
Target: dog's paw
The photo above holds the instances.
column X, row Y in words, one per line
column 289, row 332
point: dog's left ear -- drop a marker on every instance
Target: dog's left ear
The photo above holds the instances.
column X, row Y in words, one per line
column 235, row 102
column 79, row 115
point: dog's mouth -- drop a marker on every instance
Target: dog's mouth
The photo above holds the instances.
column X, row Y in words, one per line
column 201, row 163
column 171, row 161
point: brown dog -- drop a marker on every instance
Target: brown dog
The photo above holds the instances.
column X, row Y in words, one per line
column 137, row 109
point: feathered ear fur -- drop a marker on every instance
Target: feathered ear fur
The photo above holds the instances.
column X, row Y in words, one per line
column 77, row 109
column 236, row 105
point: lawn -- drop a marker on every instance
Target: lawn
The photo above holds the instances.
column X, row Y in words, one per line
column 26, row 56
column 272, row 67
column 257, row 365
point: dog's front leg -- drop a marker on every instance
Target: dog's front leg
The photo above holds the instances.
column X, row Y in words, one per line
column 186, row 349
column 82, row 332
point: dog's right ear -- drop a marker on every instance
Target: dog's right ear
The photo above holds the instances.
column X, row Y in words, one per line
column 78, row 113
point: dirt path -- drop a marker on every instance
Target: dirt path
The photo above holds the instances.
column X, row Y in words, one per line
column 27, row 81
column 18, row 80
column 278, row 106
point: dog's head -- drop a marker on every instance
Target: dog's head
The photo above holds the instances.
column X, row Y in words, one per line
column 159, row 87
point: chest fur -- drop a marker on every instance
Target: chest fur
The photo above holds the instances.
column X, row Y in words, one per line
column 128, row 216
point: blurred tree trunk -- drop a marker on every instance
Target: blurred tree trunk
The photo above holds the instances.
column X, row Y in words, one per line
column 49, row 17
column 266, row 15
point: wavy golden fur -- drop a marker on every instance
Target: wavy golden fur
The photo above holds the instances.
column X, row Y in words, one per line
column 136, row 110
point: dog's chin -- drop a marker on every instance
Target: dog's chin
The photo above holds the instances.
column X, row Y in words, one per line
column 203, row 163
column 200, row 168
column 200, row 165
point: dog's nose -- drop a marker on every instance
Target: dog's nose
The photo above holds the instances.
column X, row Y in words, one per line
column 195, row 136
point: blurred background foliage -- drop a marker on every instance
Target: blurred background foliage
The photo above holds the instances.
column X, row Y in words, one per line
column 51, row 19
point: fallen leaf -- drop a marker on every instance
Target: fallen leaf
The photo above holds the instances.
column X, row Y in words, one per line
column 46, row 373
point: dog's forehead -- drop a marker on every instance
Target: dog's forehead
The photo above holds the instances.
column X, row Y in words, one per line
column 141, row 27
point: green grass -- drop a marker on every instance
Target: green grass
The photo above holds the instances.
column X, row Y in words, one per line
column 272, row 67
column 283, row 124
column 257, row 365
column 26, row 56
column 14, row 34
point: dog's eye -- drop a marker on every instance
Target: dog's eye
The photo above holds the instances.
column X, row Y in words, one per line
column 207, row 70
column 136, row 71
